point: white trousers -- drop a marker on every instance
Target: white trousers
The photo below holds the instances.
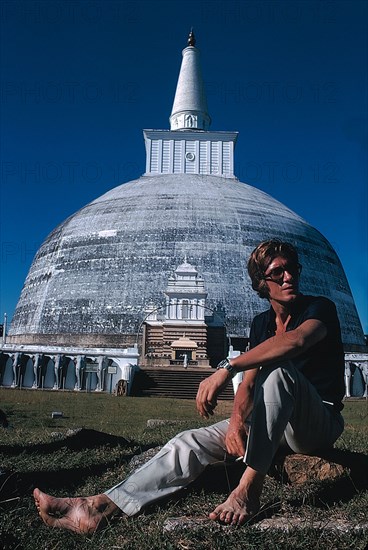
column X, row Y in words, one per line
column 287, row 409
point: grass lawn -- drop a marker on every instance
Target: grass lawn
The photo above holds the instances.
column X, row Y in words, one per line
column 38, row 450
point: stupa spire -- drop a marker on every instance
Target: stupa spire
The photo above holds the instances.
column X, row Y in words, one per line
column 190, row 105
column 189, row 147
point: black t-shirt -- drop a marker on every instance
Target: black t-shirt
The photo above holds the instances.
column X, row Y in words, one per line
column 322, row 364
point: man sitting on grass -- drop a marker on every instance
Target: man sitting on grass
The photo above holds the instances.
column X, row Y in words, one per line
column 291, row 395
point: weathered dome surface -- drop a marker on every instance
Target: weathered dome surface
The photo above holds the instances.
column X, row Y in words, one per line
column 95, row 274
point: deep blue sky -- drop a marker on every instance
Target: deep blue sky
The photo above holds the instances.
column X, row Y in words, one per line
column 80, row 80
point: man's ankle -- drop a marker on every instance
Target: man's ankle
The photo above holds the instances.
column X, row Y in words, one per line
column 251, row 479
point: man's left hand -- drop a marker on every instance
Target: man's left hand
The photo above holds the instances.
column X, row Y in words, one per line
column 209, row 388
column 236, row 436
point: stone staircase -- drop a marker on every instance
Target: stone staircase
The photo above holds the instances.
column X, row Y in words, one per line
column 176, row 383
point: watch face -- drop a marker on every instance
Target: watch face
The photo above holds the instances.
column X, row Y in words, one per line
column 224, row 364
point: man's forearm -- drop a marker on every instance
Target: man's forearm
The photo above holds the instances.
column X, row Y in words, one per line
column 281, row 346
column 243, row 402
column 243, row 405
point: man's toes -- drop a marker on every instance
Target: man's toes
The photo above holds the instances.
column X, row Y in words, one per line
column 226, row 517
column 235, row 519
column 242, row 518
column 214, row 515
column 230, row 518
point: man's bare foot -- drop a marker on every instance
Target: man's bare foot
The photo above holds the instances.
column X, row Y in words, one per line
column 82, row 515
column 242, row 503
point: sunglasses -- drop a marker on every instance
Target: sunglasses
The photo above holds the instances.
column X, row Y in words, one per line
column 277, row 273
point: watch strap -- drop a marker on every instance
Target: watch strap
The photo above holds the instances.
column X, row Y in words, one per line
column 226, row 365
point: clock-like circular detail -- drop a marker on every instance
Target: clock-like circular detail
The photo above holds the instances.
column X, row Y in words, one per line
column 190, row 156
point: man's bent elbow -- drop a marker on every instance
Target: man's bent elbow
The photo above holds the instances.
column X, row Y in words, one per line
column 301, row 339
column 295, row 339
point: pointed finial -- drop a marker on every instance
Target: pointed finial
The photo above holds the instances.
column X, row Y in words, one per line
column 191, row 38
column 189, row 111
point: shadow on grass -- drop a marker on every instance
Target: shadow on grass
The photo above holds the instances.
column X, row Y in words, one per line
column 80, row 439
column 22, row 483
column 217, row 479
column 15, row 483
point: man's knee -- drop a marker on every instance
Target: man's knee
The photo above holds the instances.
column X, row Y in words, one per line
column 281, row 374
column 277, row 383
column 206, row 440
column 185, row 438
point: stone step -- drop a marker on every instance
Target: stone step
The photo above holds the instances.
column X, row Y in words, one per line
column 173, row 383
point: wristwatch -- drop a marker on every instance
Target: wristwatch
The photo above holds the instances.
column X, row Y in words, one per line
column 226, row 365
